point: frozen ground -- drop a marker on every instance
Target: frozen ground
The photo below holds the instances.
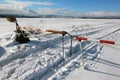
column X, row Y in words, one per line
column 42, row 59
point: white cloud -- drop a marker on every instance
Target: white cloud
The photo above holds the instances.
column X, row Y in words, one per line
column 67, row 12
column 57, row 11
column 28, row 3
column 102, row 14
column 19, row 7
column 22, row 7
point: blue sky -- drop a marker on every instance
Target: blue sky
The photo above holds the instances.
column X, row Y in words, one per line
column 79, row 5
column 69, row 5
column 91, row 5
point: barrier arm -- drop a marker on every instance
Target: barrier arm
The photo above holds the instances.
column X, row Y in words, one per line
column 81, row 38
column 57, row 32
column 100, row 41
column 107, row 42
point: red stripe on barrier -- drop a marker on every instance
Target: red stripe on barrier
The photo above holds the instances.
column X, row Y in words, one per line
column 80, row 38
column 106, row 41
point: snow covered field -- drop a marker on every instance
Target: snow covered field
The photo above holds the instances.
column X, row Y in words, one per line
column 42, row 58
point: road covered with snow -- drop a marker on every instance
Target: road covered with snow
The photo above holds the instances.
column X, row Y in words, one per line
column 42, row 57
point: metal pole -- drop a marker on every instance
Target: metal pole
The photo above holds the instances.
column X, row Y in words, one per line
column 63, row 50
column 71, row 37
column 70, row 45
column 82, row 63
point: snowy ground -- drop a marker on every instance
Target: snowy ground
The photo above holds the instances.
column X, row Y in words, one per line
column 42, row 59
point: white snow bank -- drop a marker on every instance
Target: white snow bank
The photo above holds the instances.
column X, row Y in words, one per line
column 42, row 59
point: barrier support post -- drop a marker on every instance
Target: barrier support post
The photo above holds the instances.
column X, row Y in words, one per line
column 82, row 57
column 70, row 45
column 71, row 38
column 63, row 50
column 63, row 34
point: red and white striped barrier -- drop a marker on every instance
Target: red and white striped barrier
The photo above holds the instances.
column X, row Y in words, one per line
column 99, row 41
column 83, row 38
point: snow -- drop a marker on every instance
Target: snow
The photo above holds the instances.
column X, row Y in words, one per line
column 42, row 57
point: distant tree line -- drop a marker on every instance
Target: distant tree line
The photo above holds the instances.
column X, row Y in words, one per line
column 57, row 16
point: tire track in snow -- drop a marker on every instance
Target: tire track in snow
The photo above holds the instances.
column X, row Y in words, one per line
column 23, row 53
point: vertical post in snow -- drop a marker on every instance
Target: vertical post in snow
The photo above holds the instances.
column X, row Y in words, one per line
column 0, row 42
column 70, row 45
column 71, row 38
column 63, row 50
column 63, row 34
column 82, row 63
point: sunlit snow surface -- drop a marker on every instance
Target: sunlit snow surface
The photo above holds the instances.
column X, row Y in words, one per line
column 42, row 58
